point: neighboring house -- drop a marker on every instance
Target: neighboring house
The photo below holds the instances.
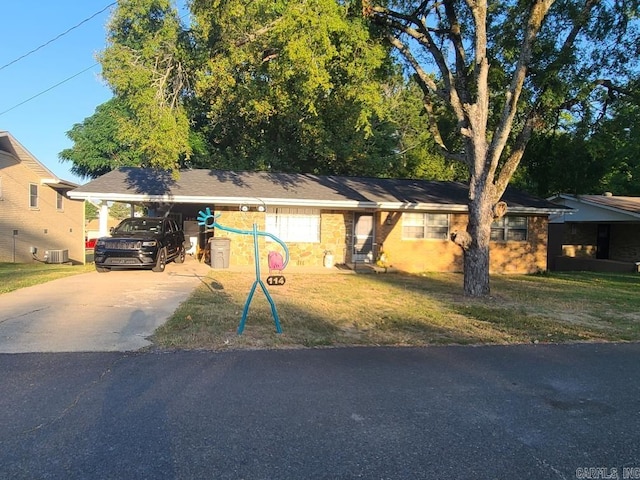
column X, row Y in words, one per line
column 599, row 233
column 35, row 211
column 355, row 219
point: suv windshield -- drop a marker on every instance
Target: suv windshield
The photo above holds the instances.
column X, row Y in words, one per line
column 139, row 225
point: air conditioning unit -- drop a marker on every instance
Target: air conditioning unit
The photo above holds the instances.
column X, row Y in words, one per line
column 56, row 256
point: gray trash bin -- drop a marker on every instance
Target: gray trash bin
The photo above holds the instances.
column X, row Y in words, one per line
column 220, row 252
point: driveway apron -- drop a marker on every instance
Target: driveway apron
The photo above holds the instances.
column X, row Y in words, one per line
column 94, row 312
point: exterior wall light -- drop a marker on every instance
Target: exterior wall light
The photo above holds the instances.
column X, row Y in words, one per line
column 258, row 208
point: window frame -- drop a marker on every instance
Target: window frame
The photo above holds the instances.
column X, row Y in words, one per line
column 287, row 223
column 511, row 231
column 33, row 197
column 59, row 201
column 430, row 230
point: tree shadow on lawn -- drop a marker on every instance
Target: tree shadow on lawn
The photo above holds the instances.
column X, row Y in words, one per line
column 522, row 308
column 318, row 311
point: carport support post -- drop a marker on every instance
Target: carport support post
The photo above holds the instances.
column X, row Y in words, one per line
column 104, row 219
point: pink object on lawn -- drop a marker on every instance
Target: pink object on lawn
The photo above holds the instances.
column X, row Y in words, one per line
column 275, row 261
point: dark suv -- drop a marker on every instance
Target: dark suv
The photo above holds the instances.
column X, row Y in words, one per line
column 140, row 242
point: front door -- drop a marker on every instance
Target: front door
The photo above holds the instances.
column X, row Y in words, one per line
column 362, row 237
column 602, row 246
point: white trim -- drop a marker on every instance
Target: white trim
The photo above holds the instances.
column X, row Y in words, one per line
column 289, row 202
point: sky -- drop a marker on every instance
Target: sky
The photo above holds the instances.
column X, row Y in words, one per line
column 41, row 123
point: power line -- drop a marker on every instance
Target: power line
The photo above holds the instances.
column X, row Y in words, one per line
column 56, row 38
column 48, row 89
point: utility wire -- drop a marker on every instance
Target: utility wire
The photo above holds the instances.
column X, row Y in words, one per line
column 56, row 38
column 48, row 89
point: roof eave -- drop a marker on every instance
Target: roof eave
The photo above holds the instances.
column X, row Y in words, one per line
column 285, row 202
column 581, row 199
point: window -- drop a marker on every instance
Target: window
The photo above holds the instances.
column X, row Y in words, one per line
column 509, row 229
column 425, row 225
column 59, row 201
column 294, row 224
column 33, row 195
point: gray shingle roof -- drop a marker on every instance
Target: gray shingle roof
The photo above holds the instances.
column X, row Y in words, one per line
column 626, row 204
column 220, row 187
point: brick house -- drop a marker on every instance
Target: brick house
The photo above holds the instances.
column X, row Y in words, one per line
column 356, row 219
column 597, row 233
column 35, row 211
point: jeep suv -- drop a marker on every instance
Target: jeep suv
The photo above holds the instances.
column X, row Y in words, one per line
column 140, row 242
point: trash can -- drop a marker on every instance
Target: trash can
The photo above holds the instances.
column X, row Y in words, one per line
column 328, row 259
column 220, row 252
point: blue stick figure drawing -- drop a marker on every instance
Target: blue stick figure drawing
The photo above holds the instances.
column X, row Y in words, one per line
column 276, row 262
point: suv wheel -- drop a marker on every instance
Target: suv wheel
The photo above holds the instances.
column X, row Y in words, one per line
column 181, row 255
column 161, row 262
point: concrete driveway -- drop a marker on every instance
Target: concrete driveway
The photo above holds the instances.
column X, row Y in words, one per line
column 94, row 312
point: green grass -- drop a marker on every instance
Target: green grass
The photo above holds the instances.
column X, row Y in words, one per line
column 19, row 275
column 396, row 309
column 318, row 310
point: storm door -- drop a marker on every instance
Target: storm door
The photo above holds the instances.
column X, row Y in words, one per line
column 362, row 237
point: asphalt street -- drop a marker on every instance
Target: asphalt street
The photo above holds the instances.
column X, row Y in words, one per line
column 496, row 412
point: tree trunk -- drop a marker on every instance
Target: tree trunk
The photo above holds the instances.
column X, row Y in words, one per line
column 476, row 255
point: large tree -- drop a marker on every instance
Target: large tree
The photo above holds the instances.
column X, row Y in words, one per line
column 284, row 85
column 98, row 145
column 502, row 70
column 146, row 65
column 291, row 85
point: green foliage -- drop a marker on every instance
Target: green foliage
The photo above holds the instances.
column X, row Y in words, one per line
column 579, row 57
column 121, row 211
column 98, row 144
column 615, row 142
column 284, row 85
column 90, row 211
column 581, row 157
column 145, row 66
column 291, row 86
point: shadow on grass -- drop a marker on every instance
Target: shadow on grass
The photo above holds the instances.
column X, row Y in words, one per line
column 388, row 309
column 576, row 306
column 314, row 311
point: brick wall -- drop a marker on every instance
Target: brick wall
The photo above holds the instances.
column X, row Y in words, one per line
column 580, row 240
column 625, row 242
column 419, row 255
column 522, row 257
column 336, row 229
column 334, row 226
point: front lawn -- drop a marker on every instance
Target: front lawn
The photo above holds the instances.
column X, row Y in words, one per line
column 398, row 309
column 19, row 275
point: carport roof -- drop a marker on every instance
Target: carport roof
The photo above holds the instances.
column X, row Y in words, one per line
column 219, row 188
column 600, row 208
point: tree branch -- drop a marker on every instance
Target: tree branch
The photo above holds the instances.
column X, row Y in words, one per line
column 537, row 15
column 533, row 121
